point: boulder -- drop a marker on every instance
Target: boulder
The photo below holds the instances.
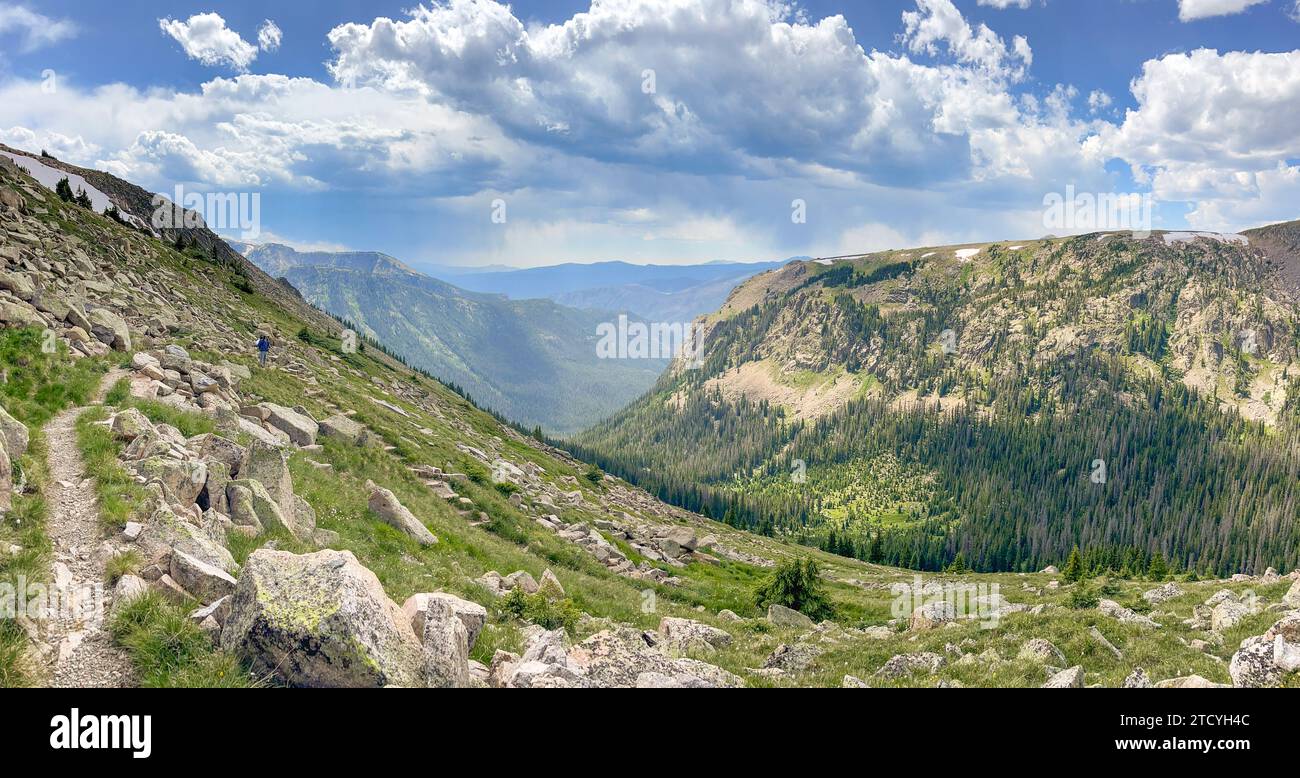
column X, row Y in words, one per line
column 206, row 582
column 932, row 614
column 1292, row 597
column 1190, row 682
column 320, row 620
column 1161, row 593
column 16, row 436
column 550, row 584
column 1138, row 679
column 386, row 506
column 472, row 615
column 300, row 428
column 109, row 328
column 182, row 480
column 1066, row 679
column 782, row 616
column 1041, row 651
column 266, row 464
column 685, row 635
column 617, row 658
column 446, row 647
column 128, row 588
column 343, row 428
column 20, row 285
column 1252, row 667
column 165, row 532
column 130, row 424
column 1126, row 615
column 903, row 665
column 521, row 579
column 1227, row 614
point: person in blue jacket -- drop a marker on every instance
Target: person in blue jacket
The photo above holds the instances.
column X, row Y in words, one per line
column 263, row 348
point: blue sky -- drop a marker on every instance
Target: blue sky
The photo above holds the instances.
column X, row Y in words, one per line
column 896, row 122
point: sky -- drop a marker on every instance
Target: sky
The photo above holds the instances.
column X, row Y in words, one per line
column 471, row 132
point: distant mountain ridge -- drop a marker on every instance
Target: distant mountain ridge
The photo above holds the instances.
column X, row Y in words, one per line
column 534, row 361
column 663, row 293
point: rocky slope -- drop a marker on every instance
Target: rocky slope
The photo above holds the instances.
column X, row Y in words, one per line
column 286, row 511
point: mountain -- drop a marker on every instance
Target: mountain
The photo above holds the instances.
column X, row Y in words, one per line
column 657, row 293
column 1005, row 403
column 534, row 361
column 249, row 525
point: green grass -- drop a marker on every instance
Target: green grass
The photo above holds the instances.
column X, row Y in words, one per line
column 36, row 386
column 169, row 650
column 120, row 497
column 188, row 422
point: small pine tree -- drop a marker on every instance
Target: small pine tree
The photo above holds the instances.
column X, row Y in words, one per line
column 1158, row 570
column 1074, row 571
column 958, row 565
column 796, row 585
column 83, row 199
column 64, row 190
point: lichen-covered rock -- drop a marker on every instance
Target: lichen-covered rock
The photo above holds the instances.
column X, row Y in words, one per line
column 111, row 329
column 343, row 428
column 1071, row 678
column 266, row 464
column 1252, row 667
column 1041, row 651
column 130, row 424
column 902, row 665
column 165, row 531
column 182, row 480
column 685, row 635
column 320, row 619
column 206, row 582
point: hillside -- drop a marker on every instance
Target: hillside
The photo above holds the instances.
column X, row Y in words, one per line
column 260, row 526
column 533, row 361
column 1002, row 402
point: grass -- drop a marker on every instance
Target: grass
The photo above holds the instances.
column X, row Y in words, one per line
column 189, row 423
column 37, row 385
column 120, row 497
column 169, row 650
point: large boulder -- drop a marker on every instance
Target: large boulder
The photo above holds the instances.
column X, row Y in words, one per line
column 471, row 614
column 211, row 448
column 300, row 428
column 111, row 329
column 16, row 436
column 621, row 658
column 130, row 424
column 182, row 480
column 1041, row 651
column 343, row 428
column 206, row 582
column 387, row 507
column 266, row 464
column 1292, row 597
column 251, row 504
column 165, row 532
column 1253, row 667
column 446, row 647
column 932, row 614
column 1228, row 614
column 684, row 635
column 903, row 665
column 320, row 620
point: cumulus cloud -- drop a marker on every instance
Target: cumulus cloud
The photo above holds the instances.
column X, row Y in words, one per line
column 1191, row 10
column 33, row 30
column 938, row 22
column 205, row 37
column 269, row 36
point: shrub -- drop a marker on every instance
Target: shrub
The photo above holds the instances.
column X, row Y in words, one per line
column 541, row 610
column 797, row 585
column 1083, row 597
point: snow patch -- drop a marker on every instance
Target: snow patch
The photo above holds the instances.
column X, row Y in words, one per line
column 965, row 254
column 1172, row 238
column 927, row 256
column 1014, row 248
column 50, row 177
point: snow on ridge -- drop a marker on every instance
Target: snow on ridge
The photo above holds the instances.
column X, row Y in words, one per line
column 50, row 177
column 965, row 254
column 1172, row 238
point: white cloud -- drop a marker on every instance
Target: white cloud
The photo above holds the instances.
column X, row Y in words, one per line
column 34, row 30
column 1099, row 101
column 939, row 21
column 1003, row 5
column 1191, row 10
column 269, row 36
column 205, row 38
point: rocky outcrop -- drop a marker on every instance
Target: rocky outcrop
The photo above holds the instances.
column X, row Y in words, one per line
column 320, row 619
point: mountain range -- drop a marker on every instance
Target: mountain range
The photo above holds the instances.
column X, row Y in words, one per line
column 533, row 361
column 997, row 403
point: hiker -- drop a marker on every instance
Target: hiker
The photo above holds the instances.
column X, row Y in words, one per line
column 263, row 348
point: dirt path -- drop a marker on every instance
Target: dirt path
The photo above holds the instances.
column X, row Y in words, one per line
column 84, row 653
